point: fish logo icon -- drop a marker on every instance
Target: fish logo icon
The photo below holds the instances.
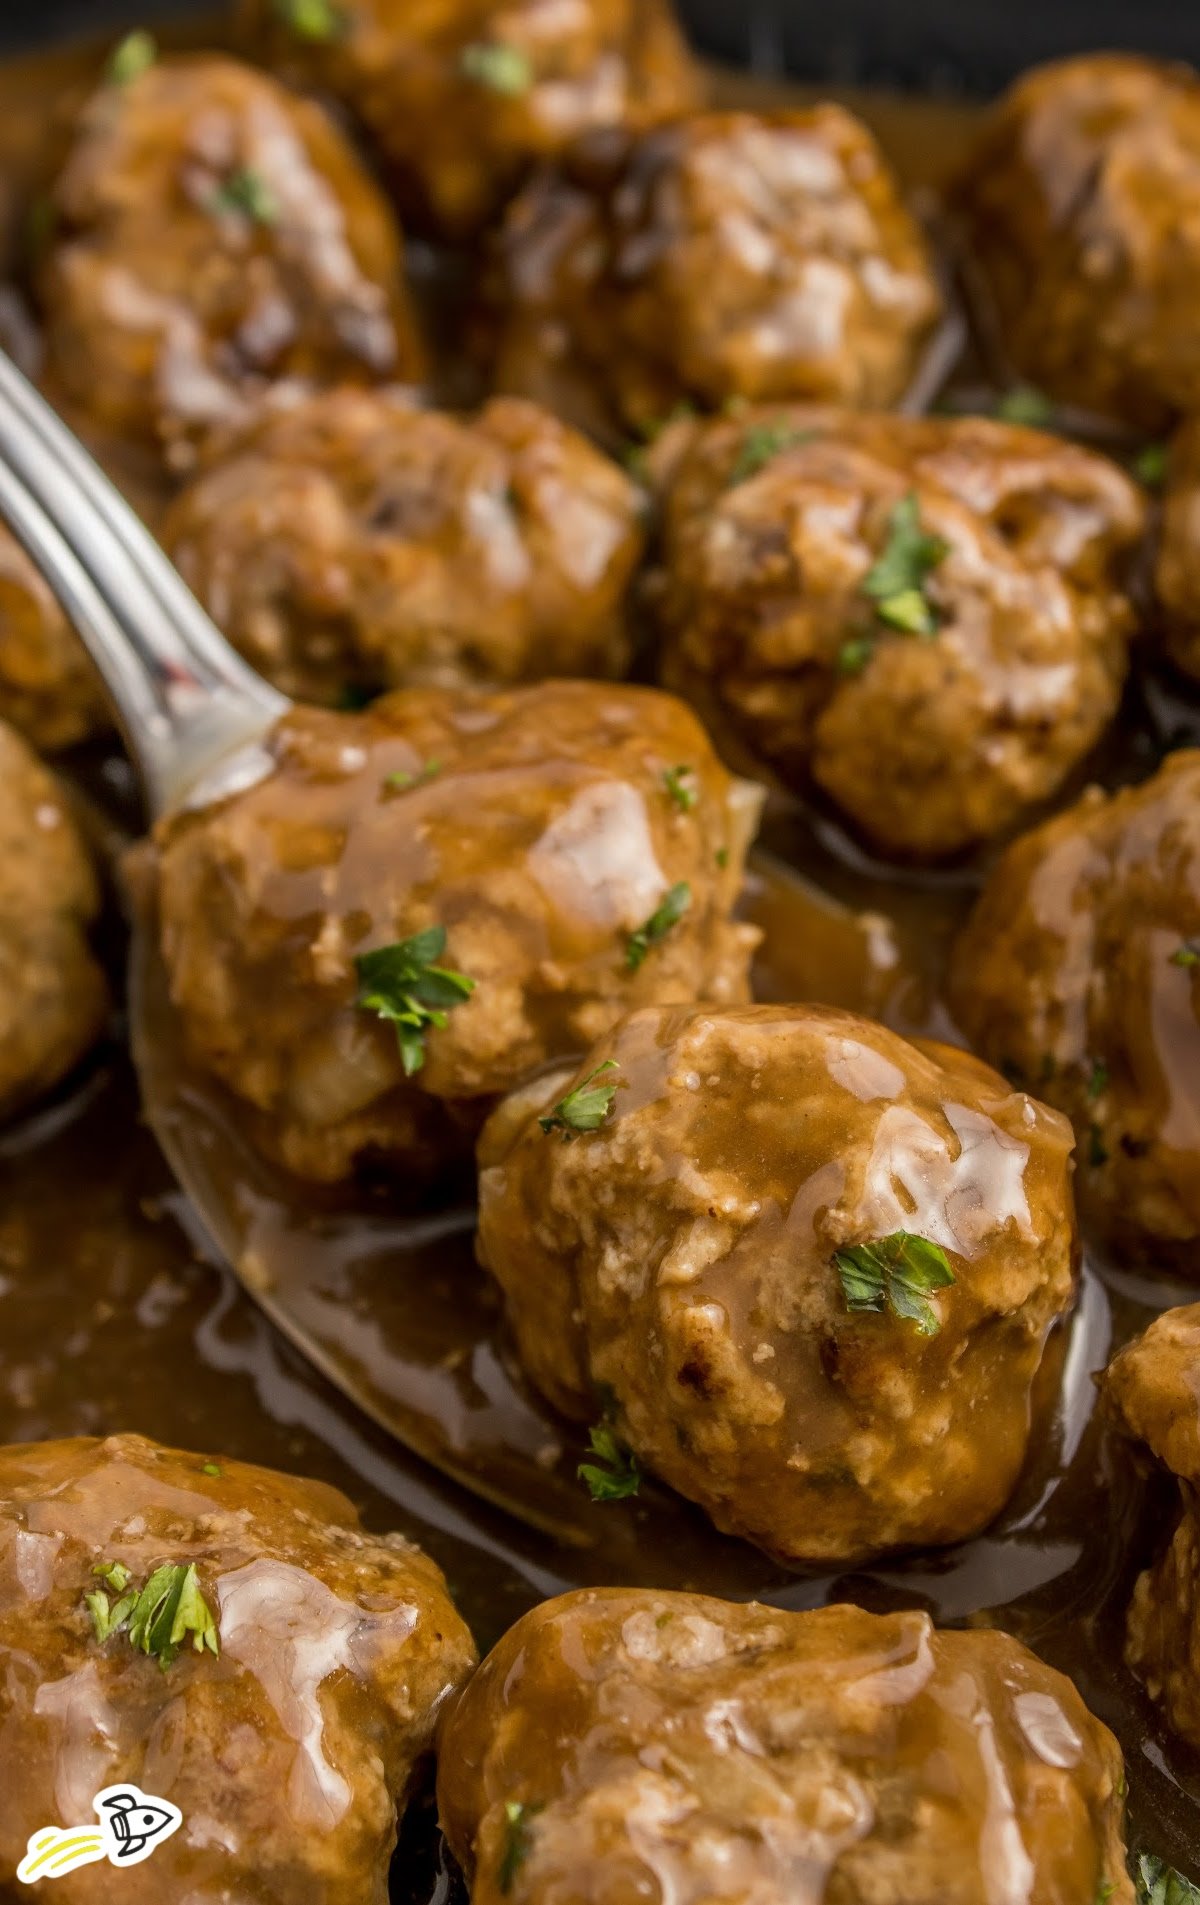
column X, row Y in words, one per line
column 133, row 1824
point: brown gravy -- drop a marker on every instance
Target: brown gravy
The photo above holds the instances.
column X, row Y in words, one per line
column 113, row 1314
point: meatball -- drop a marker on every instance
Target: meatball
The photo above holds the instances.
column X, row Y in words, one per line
column 1081, row 213
column 924, row 620
column 53, row 995
column 1177, row 571
column 426, row 901
column 1150, row 1394
column 48, row 688
column 462, row 96
column 214, row 236
column 1079, row 973
column 284, row 1718
column 696, row 1261
column 733, row 255
column 622, row 1744
column 358, row 540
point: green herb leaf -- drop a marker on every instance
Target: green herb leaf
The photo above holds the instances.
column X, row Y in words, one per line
column 247, row 192
column 518, row 1840
column 311, row 19
column 136, row 53
column 1105, row 1890
column 407, row 989
column 680, row 783
column 659, row 924
column 169, row 1609
column 585, row 1108
column 1097, row 1079
column 854, row 654
column 896, row 581
column 1157, row 1884
column 762, row 443
column 212, row 1468
column 614, row 1475
column 1150, row 465
column 1187, row 955
column 502, row 68
column 897, row 1273
column 400, row 782
column 1097, row 1149
column 1025, row 405
column 115, row 1573
column 722, row 857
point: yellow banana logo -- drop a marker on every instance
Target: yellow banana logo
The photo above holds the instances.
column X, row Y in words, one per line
column 133, row 1824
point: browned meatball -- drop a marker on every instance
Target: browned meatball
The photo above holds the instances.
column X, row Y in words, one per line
column 1081, row 204
column 213, row 236
column 734, row 255
column 1152, row 1392
column 48, row 688
column 462, row 96
column 622, row 1745
column 53, row 995
column 682, row 1261
column 285, row 1741
column 356, row 539
column 580, row 849
column 1177, row 573
column 934, row 716
column 1079, row 973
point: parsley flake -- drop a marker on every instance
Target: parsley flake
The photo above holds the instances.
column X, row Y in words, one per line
column 160, row 1618
column 681, row 788
column 115, row 1573
column 1097, row 1083
column 762, row 443
column 1025, row 405
column 212, row 1468
column 659, row 924
column 722, row 857
column 311, row 19
column 896, row 1273
column 1097, row 1149
column 404, row 985
column 502, row 68
column 896, row 581
column 615, row 1474
column 247, row 192
column 1157, row 1884
column 854, row 654
column 1187, row 955
column 518, row 1839
column 400, row 782
column 585, row 1108
column 136, row 53
column 1150, row 465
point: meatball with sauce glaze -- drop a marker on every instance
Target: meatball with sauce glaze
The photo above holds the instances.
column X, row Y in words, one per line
column 214, row 236
column 286, row 1741
column 682, row 1263
column 1081, row 213
column 538, row 830
column 463, row 96
column 53, row 995
column 357, row 539
column 1079, row 974
column 620, row 1744
column 48, row 688
column 1177, row 569
column 935, row 716
column 734, row 255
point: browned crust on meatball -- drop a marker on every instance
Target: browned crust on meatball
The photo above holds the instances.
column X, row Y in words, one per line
column 175, row 294
column 675, row 1741
column 733, row 255
column 288, row 1750
column 357, row 539
column 679, row 1263
column 49, row 690
column 1074, row 973
column 926, row 745
column 1081, row 210
column 1177, row 564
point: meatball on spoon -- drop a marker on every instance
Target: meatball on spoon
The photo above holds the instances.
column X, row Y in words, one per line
column 196, row 719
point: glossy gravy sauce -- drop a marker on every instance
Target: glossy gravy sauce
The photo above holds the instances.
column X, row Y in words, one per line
column 116, row 1314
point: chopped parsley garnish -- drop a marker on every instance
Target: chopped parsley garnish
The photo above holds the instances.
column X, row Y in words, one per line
column 722, row 857
column 502, row 68
column 247, row 192
column 1025, row 405
column 762, row 443
column 400, row 782
column 1187, row 955
column 614, row 1475
column 1097, row 1079
column 135, row 54
column 854, row 654
column 680, row 783
column 311, row 19
column 1157, row 1884
column 897, row 1273
column 896, row 581
column 1097, row 1149
column 659, row 924
column 1149, row 466
column 585, row 1108
column 161, row 1618
column 518, row 1838
column 212, row 1468
column 404, row 985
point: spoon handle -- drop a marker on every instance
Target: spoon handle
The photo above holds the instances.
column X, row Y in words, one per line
column 186, row 701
